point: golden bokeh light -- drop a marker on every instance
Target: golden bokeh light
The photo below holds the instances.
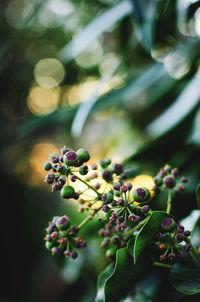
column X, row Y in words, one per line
column 49, row 72
column 42, row 100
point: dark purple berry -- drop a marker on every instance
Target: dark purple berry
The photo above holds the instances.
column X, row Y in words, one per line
column 116, row 186
column 171, row 258
column 48, row 237
column 61, row 169
column 158, row 237
column 105, row 208
column 54, row 157
column 137, row 218
column 55, row 187
column 50, row 178
column 107, row 197
column 73, row 178
column 116, row 240
column 105, row 243
column 123, row 225
column 74, row 230
column 145, row 209
column 107, row 175
column 47, row 166
column 94, row 166
column 76, row 195
column 121, row 202
column 73, row 255
column 129, row 186
column 175, row 172
column 187, row 233
column 187, row 247
column 180, row 228
column 56, row 251
column 118, row 168
column 97, row 186
column 61, row 180
column 83, row 170
column 113, row 203
column 64, row 150
column 179, row 237
column 184, row 179
column 123, row 189
column 120, row 219
column 169, row 182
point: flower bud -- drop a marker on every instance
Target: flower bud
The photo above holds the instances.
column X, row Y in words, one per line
column 50, row 178
column 107, row 197
column 107, row 175
column 169, row 182
column 64, row 150
column 54, row 157
column 118, row 168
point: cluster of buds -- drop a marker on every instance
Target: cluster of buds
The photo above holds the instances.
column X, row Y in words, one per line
column 171, row 242
column 169, row 178
column 61, row 238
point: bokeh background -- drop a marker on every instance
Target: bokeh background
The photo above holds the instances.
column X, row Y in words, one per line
column 118, row 78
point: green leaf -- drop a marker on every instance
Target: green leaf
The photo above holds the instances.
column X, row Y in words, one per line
column 103, row 276
column 147, row 232
column 124, row 276
column 185, row 279
column 198, row 196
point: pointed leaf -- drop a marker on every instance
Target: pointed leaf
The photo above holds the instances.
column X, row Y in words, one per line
column 125, row 275
column 103, row 276
column 146, row 235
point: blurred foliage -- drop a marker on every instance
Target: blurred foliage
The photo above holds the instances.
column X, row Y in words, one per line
column 119, row 78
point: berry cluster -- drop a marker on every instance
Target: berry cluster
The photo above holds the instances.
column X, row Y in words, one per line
column 171, row 242
column 169, row 178
column 121, row 208
column 61, row 239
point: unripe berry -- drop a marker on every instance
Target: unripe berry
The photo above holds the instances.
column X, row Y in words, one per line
column 179, row 237
column 168, row 224
column 131, row 217
column 175, row 172
column 141, row 194
column 54, row 235
column 105, row 208
column 47, row 166
column 121, row 202
column 94, row 166
column 187, row 233
column 187, row 247
column 83, row 155
column 172, row 258
column 83, row 170
column 161, row 246
column 67, row 192
column 56, row 251
column 55, row 187
column 73, row 178
column 158, row 237
column 180, row 228
column 184, row 179
column 70, row 158
column 49, row 245
column 162, row 258
column 123, row 189
column 104, row 163
column 169, row 182
column 105, row 243
column 110, row 254
column 66, row 254
column 63, row 223
column 129, row 186
column 145, row 209
column 62, row 240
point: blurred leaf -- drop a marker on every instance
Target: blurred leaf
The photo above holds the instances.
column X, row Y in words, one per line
column 198, row 196
column 147, row 233
column 144, row 14
column 190, row 221
column 177, row 111
column 126, row 94
column 94, row 29
column 102, row 278
column 185, row 279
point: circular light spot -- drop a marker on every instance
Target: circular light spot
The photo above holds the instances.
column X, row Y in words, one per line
column 42, row 100
column 177, row 65
column 91, row 56
column 49, row 73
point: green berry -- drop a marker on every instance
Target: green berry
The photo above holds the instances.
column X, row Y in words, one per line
column 107, row 197
column 67, row 192
column 47, row 166
column 49, row 245
column 83, row 155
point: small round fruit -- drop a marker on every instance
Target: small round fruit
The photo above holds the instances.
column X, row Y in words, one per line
column 67, row 192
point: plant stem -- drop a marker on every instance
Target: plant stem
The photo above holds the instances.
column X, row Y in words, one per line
column 89, row 186
column 130, row 232
column 169, row 201
column 162, row 264
column 84, row 221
